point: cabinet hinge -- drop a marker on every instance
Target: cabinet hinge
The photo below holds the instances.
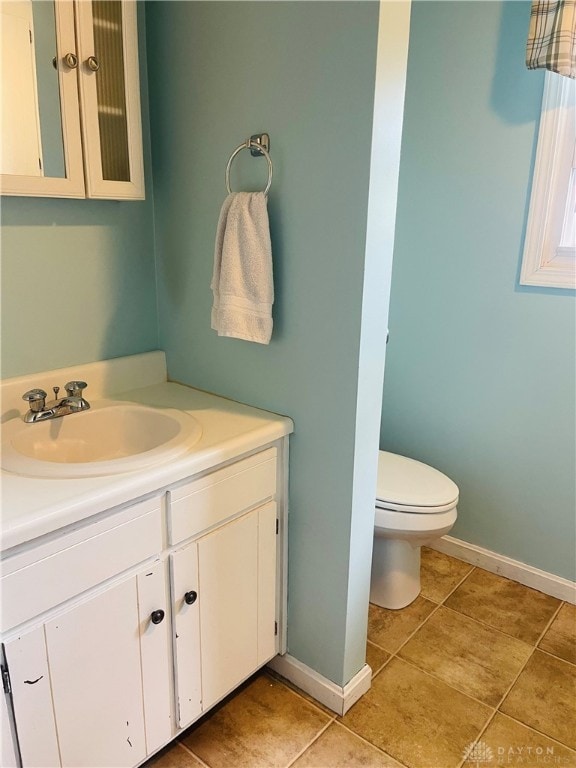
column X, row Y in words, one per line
column 6, row 680
column 277, row 526
column 275, row 628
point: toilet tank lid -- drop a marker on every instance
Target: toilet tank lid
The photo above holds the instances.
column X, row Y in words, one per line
column 411, row 483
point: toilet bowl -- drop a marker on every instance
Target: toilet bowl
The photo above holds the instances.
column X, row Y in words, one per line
column 415, row 504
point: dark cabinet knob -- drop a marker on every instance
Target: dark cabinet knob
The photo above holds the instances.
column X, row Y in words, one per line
column 156, row 617
column 190, row 597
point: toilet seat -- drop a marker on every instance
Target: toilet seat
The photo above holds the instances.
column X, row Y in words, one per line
column 398, row 524
column 407, row 485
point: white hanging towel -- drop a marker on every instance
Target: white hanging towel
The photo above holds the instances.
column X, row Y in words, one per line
column 242, row 279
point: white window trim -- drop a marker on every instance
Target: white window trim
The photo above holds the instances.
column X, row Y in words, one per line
column 544, row 262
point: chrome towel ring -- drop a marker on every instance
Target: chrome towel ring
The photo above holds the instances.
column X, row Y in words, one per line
column 257, row 149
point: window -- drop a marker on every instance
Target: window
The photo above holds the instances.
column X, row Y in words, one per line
column 550, row 247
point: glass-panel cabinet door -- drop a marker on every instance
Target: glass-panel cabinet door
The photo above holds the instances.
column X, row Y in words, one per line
column 109, row 92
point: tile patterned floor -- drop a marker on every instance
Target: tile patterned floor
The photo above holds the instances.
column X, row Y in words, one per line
column 475, row 660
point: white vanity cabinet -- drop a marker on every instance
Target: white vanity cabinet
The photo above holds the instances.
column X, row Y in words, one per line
column 90, row 680
column 119, row 633
column 82, row 96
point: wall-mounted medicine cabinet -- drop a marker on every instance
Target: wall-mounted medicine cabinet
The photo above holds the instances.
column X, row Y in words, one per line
column 70, row 99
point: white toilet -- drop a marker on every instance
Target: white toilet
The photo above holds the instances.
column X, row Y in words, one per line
column 415, row 504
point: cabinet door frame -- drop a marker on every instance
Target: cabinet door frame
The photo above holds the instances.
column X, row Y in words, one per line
column 9, row 749
column 96, row 185
column 186, row 634
column 282, row 511
column 71, row 185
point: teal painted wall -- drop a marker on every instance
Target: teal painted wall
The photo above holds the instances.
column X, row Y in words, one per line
column 78, row 276
column 480, row 372
column 303, row 72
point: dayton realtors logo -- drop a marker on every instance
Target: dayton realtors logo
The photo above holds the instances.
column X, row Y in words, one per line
column 479, row 754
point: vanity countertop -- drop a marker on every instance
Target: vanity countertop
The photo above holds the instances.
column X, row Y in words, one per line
column 33, row 507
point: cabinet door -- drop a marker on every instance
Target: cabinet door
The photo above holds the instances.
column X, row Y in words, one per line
column 228, row 567
column 110, row 98
column 85, row 684
column 237, row 569
column 156, row 657
column 27, row 662
column 94, row 654
column 21, row 142
column 51, row 94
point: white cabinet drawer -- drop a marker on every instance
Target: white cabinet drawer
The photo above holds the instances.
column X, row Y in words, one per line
column 29, row 591
column 204, row 503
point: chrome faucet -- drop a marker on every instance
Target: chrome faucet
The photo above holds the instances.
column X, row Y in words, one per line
column 40, row 410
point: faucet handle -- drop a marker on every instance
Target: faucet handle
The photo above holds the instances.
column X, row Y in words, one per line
column 75, row 388
column 36, row 399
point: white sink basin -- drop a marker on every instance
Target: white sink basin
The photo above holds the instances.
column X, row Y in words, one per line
column 108, row 439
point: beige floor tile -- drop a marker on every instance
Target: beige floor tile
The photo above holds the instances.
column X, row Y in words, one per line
column 544, row 697
column 514, row 744
column 419, row 720
column 439, row 574
column 560, row 639
column 503, row 604
column 174, row 756
column 265, row 725
column 375, row 657
column 467, row 655
column 389, row 629
column 338, row 748
column 299, row 691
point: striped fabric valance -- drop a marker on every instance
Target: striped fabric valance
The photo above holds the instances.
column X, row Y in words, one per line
column 552, row 36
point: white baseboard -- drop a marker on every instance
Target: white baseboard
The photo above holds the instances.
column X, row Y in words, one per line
column 543, row 581
column 338, row 699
